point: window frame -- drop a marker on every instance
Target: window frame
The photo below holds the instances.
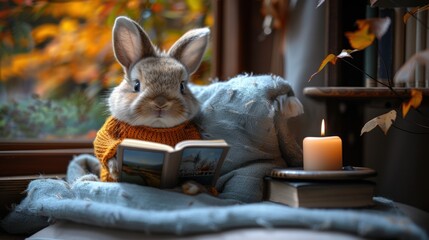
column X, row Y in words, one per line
column 34, row 156
column 234, row 21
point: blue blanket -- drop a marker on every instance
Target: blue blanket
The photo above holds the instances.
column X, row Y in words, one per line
column 139, row 208
column 251, row 114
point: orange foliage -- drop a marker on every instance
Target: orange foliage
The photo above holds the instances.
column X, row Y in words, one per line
column 78, row 48
column 74, row 49
column 368, row 30
column 361, row 38
column 414, row 101
column 331, row 58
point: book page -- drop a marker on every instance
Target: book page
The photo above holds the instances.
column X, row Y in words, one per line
column 142, row 167
column 201, row 164
column 202, row 143
column 128, row 142
column 161, row 166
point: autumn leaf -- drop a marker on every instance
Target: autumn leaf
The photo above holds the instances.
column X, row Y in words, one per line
column 23, row 2
column 4, row 14
column 49, row 79
column 383, row 121
column 406, row 72
column 377, row 26
column 157, row 7
column 79, row 48
column 69, row 25
column 331, row 58
column 195, row 6
column 415, row 11
column 73, row 9
column 361, row 38
column 209, row 21
column 414, row 101
column 346, row 53
column 44, row 31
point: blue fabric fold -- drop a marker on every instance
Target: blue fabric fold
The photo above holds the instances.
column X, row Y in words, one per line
column 150, row 210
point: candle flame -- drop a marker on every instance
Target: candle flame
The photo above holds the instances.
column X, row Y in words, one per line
column 322, row 128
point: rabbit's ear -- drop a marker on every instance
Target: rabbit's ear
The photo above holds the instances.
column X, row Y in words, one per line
column 189, row 49
column 130, row 42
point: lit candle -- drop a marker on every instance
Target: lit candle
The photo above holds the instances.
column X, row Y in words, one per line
column 322, row 153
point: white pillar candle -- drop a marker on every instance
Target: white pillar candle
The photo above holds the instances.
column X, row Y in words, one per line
column 322, row 153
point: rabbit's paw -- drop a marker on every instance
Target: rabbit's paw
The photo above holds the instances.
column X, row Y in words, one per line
column 113, row 168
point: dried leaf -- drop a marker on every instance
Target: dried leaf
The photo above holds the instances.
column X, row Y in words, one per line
column 406, row 72
column 414, row 101
column 415, row 11
column 383, row 121
column 377, row 26
column 69, row 25
column 44, row 31
column 346, row 53
column 195, row 6
column 73, row 9
column 361, row 38
column 330, row 58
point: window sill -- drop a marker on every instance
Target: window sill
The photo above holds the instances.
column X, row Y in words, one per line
column 37, row 144
column 33, row 156
column 22, row 161
column 28, row 162
column 13, row 189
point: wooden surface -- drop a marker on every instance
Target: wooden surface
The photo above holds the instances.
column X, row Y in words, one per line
column 13, row 189
column 362, row 93
column 23, row 160
column 27, row 162
column 400, row 3
column 38, row 144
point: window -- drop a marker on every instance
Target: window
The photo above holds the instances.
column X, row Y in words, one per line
column 57, row 62
column 57, row 65
column 56, row 68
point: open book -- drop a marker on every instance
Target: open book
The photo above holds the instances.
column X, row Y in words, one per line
column 159, row 165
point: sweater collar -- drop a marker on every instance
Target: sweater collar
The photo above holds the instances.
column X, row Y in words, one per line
column 152, row 129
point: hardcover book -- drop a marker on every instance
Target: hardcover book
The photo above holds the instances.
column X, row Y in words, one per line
column 162, row 166
column 320, row 194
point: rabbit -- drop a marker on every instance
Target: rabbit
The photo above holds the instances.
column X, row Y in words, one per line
column 153, row 95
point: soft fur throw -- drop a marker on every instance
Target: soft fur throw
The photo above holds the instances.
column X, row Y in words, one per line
column 251, row 113
column 154, row 211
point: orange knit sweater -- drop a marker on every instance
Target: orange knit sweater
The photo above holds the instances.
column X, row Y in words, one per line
column 114, row 131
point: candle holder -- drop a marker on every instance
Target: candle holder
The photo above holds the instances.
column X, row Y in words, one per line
column 345, row 173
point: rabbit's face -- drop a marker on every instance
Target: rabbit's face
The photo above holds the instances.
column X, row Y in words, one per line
column 155, row 96
column 154, row 91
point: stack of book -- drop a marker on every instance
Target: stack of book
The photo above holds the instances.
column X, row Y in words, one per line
column 320, row 189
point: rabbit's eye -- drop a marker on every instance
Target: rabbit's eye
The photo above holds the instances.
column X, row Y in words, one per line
column 136, row 86
column 182, row 87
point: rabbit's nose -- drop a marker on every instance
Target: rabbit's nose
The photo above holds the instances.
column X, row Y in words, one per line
column 160, row 102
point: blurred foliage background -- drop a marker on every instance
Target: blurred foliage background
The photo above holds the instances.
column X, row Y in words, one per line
column 57, row 63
